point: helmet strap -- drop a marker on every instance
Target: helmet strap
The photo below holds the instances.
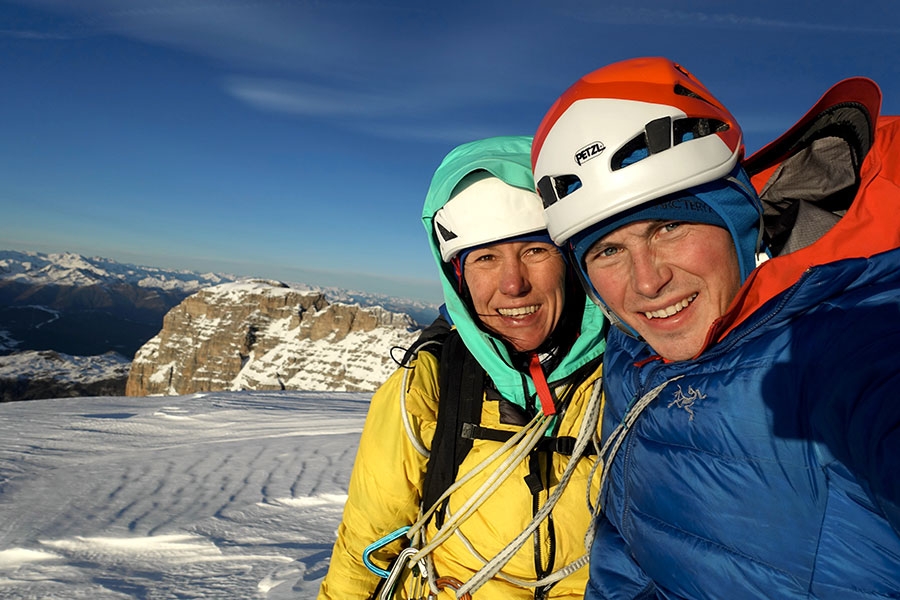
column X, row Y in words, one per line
column 457, row 271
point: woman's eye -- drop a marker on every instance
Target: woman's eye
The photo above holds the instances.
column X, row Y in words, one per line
column 541, row 253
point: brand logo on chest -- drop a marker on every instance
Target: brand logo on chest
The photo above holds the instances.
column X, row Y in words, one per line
column 685, row 399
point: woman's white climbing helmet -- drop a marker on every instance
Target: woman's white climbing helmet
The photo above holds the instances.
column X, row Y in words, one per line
column 483, row 210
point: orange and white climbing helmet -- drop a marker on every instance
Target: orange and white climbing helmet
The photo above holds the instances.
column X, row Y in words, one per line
column 627, row 134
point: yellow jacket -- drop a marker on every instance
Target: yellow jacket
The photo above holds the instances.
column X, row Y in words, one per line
column 386, row 485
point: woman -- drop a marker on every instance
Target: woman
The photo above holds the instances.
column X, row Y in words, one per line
column 508, row 514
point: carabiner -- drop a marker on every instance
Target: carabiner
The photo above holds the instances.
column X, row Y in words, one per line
column 387, row 592
column 378, row 544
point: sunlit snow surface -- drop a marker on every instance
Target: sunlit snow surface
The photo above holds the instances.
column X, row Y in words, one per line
column 219, row 495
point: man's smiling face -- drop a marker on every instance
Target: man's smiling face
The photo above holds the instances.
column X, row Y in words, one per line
column 667, row 280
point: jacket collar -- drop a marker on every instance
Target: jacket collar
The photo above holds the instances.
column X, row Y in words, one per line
column 846, row 113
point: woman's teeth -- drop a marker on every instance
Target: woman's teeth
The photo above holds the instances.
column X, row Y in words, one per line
column 518, row 312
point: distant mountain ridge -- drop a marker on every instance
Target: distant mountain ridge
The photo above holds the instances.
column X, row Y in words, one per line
column 70, row 269
column 84, row 306
column 76, row 306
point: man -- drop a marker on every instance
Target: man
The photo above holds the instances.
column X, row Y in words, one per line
column 751, row 435
column 481, row 441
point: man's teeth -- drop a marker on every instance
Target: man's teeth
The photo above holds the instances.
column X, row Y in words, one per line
column 518, row 312
column 670, row 310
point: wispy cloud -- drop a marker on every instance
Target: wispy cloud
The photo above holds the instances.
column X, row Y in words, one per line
column 314, row 100
column 450, row 132
column 396, row 68
column 262, row 34
column 29, row 34
column 669, row 17
column 382, row 115
column 336, row 59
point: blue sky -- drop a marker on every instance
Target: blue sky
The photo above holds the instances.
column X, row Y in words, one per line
column 296, row 139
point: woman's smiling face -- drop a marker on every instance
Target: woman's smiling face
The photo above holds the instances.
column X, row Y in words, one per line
column 517, row 290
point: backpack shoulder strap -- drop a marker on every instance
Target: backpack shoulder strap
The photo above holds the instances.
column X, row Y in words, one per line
column 431, row 339
column 461, row 385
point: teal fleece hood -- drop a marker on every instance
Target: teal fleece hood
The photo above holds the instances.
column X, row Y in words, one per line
column 509, row 159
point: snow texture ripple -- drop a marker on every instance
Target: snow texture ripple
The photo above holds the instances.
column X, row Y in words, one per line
column 219, row 495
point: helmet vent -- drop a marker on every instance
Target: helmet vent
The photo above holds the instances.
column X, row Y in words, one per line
column 662, row 134
column 553, row 189
column 445, row 233
column 694, row 128
column 680, row 90
column 656, row 138
column 634, row 151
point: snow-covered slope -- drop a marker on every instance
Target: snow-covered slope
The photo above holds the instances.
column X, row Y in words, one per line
column 224, row 495
column 39, row 374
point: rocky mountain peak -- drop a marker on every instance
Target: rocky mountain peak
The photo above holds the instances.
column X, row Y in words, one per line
column 260, row 334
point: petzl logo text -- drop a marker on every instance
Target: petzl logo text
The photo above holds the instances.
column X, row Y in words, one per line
column 588, row 152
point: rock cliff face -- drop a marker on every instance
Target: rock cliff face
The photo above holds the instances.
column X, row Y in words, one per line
column 263, row 335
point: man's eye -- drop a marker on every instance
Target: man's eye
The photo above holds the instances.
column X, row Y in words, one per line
column 603, row 252
column 671, row 226
column 606, row 251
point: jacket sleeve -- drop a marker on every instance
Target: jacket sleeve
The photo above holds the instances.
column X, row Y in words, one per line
column 386, row 481
column 873, row 442
column 854, row 402
column 614, row 575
